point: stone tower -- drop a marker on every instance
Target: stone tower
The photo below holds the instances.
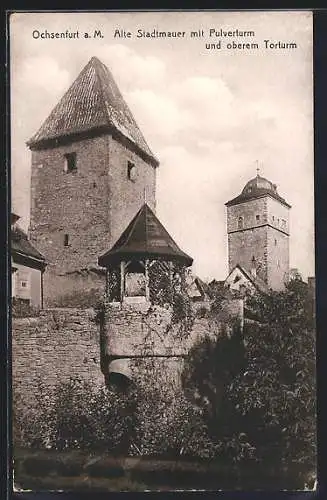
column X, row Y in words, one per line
column 258, row 232
column 144, row 269
column 90, row 169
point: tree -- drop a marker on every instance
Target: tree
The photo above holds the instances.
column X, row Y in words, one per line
column 267, row 394
column 211, row 367
column 280, row 376
column 166, row 423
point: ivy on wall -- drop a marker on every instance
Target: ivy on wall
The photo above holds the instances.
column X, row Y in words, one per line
column 167, row 289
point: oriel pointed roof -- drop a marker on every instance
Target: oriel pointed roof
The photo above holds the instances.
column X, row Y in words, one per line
column 93, row 102
column 145, row 237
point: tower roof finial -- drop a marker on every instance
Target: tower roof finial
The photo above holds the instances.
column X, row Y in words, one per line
column 258, row 169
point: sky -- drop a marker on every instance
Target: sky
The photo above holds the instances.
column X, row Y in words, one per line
column 211, row 116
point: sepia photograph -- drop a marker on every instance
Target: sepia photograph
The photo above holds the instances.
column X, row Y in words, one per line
column 162, row 251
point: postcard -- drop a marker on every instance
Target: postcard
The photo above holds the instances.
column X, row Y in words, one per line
column 162, row 251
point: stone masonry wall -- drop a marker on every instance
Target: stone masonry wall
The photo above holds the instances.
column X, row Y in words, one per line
column 137, row 331
column 126, row 195
column 248, row 210
column 51, row 348
column 244, row 245
column 250, row 241
column 141, row 330
column 91, row 205
column 278, row 244
column 65, row 342
column 278, row 215
column 278, row 258
column 72, row 203
column 77, row 289
column 264, row 236
column 140, row 339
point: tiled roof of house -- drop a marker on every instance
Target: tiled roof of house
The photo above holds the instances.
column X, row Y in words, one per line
column 196, row 287
column 146, row 237
column 21, row 245
column 14, row 218
column 255, row 280
column 202, row 286
column 92, row 102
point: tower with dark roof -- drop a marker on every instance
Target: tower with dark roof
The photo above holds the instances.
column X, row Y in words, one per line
column 258, row 232
column 145, row 268
column 90, row 168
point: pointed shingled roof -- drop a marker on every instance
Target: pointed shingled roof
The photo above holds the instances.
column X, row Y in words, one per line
column 145, row 237
column 92, row 102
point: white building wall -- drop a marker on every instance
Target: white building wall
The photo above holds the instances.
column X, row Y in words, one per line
column 26, row 284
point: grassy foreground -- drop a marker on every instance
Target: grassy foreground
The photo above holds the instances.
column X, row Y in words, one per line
column 44, row 470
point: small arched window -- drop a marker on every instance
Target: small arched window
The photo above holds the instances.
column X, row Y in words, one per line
column 240, row 223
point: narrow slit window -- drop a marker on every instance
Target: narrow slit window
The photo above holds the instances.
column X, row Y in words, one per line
column 131, row 171
column 66, row 240
column 70, row 164
column 240, row 223
column 257, row 218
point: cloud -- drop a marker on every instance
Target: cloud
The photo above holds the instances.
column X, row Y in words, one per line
column 199, row 89
column 209, row 101
column 190, row 183
column 207, row 119
column 160, row 115
column 189, row 112
column 201, row 111
column 43, row 72
column 132, row 69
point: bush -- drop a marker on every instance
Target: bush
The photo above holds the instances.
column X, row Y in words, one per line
column 170, row 429
column 167, row 425
column 75, row 416
column 22, row 308
column 152, row 418
column 257, row 389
